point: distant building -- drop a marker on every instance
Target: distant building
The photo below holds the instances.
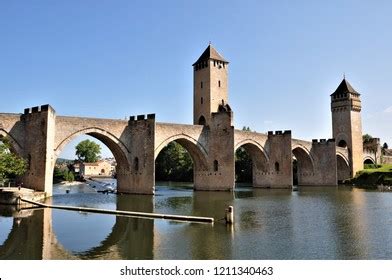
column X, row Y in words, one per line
column 100, row 168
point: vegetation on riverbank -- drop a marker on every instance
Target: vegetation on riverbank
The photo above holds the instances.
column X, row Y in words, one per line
column 60, row 175
column 11, row 165
column 174, row 164
column 373, row 175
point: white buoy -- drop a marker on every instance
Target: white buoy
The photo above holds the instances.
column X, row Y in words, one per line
column 229, row 215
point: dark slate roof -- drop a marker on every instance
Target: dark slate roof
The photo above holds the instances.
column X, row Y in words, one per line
column 210, row 53
column 344, row 87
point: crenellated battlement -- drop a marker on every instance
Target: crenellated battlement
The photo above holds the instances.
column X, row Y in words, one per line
column 279, row 132
column 142, row 117
column 38, row 109
column 323, row 141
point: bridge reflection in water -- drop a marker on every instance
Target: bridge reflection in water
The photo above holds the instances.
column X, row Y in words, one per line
column 128, row 238
column 312, row 223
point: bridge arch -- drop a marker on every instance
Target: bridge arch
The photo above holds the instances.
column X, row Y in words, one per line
column 115, row 145
column 259, row 158
column 196, row 150
column 15, row 146
column 343, row 167
column 368, row 160
column 304, row 164
column 250, row 143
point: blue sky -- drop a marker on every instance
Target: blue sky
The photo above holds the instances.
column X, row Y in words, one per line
column 113, row 59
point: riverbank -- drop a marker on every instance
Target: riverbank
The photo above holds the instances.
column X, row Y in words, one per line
column 11, row 196
column 373, row 177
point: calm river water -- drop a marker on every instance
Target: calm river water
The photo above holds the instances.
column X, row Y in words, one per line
column 312, row 223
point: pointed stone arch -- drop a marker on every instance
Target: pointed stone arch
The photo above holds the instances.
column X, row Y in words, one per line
column 305, row 163
column 196, row 150
column 115, row 145
column 15, row 146
column 259, row 157
column 343, row 168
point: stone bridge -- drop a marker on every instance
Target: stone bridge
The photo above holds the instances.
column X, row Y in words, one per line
column 39, row 136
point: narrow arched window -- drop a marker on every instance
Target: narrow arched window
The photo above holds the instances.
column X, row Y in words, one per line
column 201, row 100
column 219, row 84
column 342, row 144
column 277, row 166
column 136, row 164
column 201, row 84
column 202, row 120
column 29, row 161
column 216, row 165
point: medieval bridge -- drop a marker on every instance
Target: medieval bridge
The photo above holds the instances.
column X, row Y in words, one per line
column 39, row 135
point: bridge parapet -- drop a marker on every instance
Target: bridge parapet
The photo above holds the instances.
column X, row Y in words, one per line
column 142, row 117
column 38, row 109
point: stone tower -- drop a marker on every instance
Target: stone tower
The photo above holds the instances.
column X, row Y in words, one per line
column 209, row 86
column 347, row 124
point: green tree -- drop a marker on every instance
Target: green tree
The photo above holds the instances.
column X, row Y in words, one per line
column 174, row 164
column 88, row 151
column 68, row 176
column 366, row 138
column 11, row 165
column 243, row 163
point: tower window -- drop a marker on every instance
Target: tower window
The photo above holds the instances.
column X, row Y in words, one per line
column 214, row 63
column 219, row 84
column 201, row 84
column 277, row 166
column 136, row 164
column 201, row 100
column 342, row 144
column 216, row 165
column 202, row 120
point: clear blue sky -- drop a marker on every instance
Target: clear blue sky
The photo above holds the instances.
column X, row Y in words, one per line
column 113, row 59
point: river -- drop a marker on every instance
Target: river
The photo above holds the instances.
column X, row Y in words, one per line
column 311, row 223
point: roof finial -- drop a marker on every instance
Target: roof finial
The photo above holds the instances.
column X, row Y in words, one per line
column 209, row 43
column 344, row 75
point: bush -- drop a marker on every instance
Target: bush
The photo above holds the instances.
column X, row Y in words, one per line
column 68, row 176
column 372, row 166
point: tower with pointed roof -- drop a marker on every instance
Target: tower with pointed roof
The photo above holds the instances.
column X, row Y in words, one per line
column 210, row 93
column 347, row 123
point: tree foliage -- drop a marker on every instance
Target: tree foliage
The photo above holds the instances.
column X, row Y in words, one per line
column 11, row 165
column 60, row 175
column 367, row 138
column 69, row 176
column 174, row 164
column 243, row 165
column 88, row 151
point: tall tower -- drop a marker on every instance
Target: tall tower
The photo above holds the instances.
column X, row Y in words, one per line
column 209, row 86
column 347, row 124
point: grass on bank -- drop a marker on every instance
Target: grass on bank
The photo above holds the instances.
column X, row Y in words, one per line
column 374, row 175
